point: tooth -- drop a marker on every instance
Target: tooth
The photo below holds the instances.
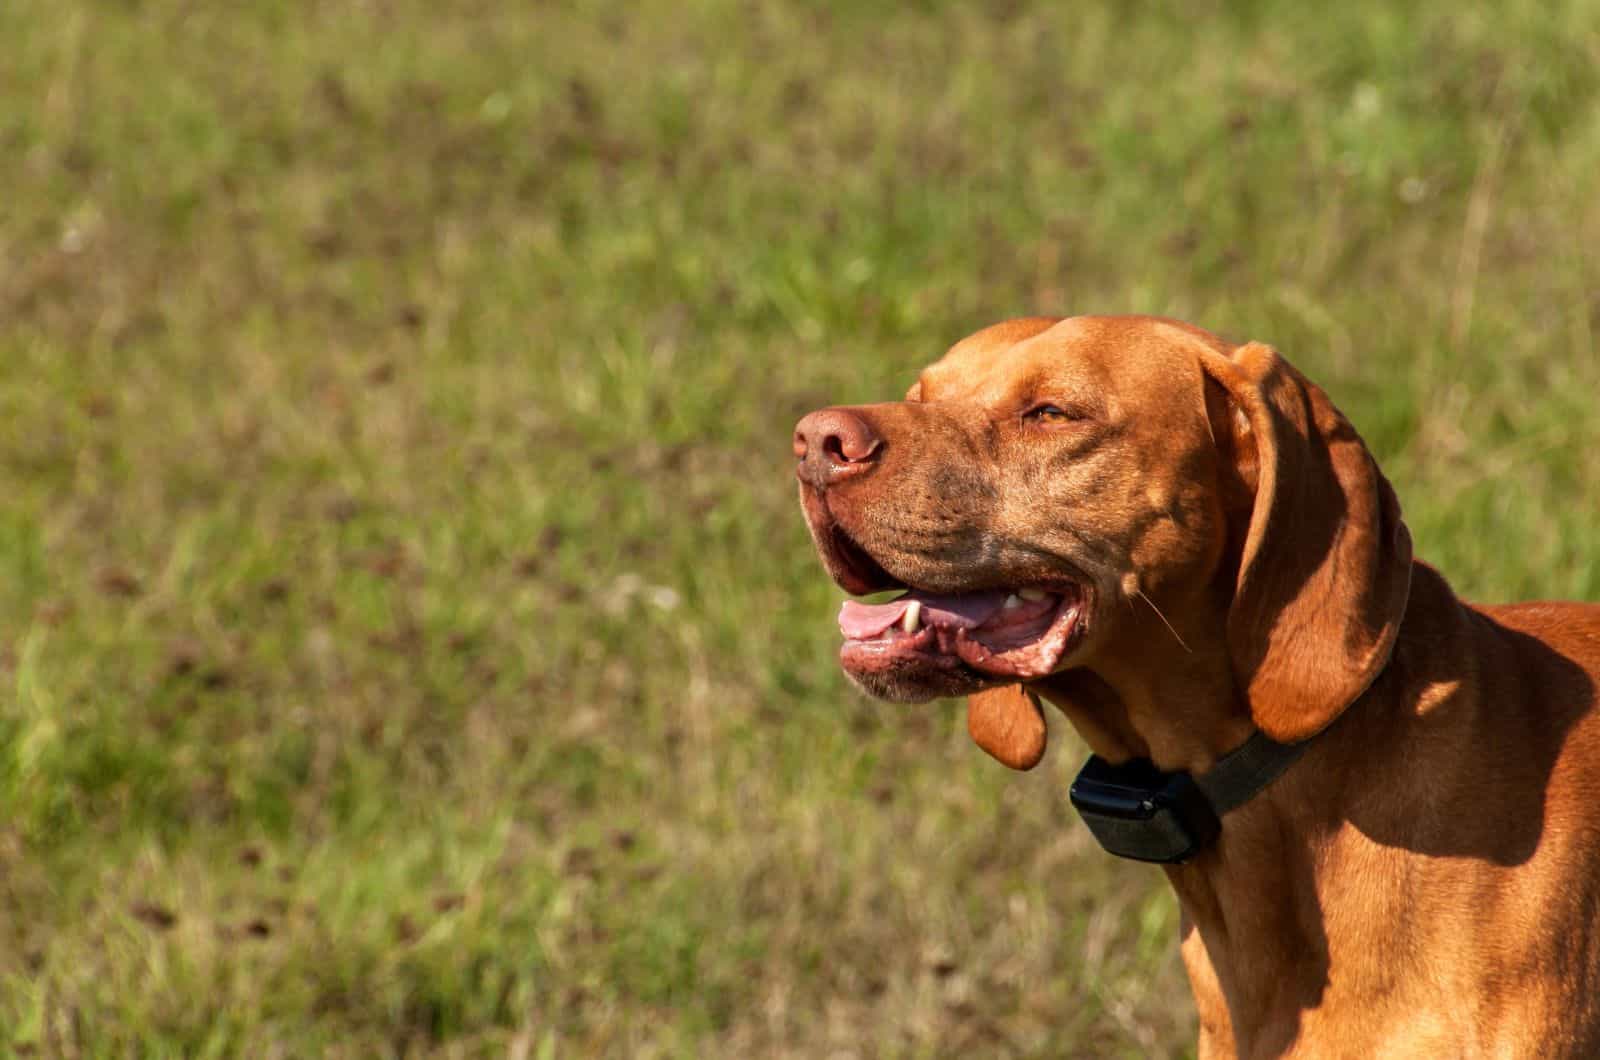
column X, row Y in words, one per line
column 1033, row 596
column 913, row 617
column 1011, row 602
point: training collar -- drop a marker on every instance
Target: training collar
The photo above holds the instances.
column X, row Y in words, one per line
column 1137, row 811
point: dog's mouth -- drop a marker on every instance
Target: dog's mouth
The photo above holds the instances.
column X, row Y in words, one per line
column 923, row 643
column 1016, row 635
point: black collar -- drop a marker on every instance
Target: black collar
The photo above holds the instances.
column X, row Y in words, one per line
column 1137, row 811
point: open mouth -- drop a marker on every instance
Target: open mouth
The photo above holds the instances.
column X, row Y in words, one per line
column 1021, row 635
column 924, row 644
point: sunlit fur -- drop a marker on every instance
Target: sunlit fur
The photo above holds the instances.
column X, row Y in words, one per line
column 1425, row 880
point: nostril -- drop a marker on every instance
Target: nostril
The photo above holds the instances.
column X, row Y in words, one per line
column 833, row 443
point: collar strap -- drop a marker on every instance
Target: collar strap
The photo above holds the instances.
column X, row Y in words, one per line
column 1137, row 811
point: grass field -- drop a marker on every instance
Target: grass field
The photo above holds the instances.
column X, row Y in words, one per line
column 409, row 642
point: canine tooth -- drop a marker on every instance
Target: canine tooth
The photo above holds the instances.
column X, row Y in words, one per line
column 1011, row 602
column 913, row 617
column 1033, row 596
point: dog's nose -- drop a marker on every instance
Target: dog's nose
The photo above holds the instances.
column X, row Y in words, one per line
column 832, row 445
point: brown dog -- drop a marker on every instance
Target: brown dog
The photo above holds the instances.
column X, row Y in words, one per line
column 1183, row 545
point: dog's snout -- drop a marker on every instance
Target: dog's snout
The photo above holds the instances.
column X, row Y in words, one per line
column 832, row 445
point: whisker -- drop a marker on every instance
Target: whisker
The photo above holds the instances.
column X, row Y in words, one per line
column 1140, row 594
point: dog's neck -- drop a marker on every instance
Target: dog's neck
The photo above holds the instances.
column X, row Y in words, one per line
column 1258, row 957
column 1179, row 709
column 1171, row 700
column 1300, row 855
column 1255, row 940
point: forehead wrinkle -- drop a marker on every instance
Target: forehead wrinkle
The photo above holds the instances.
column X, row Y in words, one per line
column 977, row 372
column 1078, row 357
column 1049, row 383
column 1135, row 341
column 1000, row 386
column 1071, row 371
column 1016, row 375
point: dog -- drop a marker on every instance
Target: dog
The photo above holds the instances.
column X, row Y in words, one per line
column 1379, row 806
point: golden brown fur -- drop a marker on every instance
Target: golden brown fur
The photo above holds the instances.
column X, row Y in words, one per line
column 1423, row 881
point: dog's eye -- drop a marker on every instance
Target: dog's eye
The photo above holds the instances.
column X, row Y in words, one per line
column 1052, row 414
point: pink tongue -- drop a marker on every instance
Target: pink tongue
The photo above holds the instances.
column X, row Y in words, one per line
column 860, row 621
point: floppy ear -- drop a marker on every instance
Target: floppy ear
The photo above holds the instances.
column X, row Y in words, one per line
column 1008, row 723
column 1325, row 566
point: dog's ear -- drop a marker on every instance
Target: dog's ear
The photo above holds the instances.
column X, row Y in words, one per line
column 1008, row 723
column 1325, row 561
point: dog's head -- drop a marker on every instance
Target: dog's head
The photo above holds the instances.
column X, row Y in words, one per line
column 1047, row 479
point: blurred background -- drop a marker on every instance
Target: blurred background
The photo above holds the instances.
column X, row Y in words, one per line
column 409, row 641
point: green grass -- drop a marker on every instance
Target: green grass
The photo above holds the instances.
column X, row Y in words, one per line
column 409, row 642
